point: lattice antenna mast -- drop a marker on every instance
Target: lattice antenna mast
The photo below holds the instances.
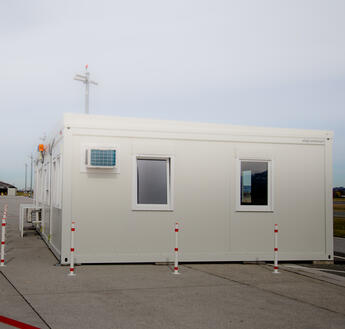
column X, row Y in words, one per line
column 86, row 80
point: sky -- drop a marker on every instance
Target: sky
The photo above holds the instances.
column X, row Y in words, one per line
column 264, row 63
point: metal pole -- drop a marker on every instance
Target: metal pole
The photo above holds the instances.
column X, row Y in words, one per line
column 26, row 169
column 71, row 267
column 31, row 157
column 275, row 271
column 3, row 234
column 176, row 249
column 87, row 74
column 86, row 79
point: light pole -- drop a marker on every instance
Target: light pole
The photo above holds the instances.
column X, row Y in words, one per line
column 31, row 158
column 86, row 80
column 26, row 169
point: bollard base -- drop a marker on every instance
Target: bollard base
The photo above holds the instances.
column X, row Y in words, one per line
column 176, row 273
column 276, row 272
column 71, row 274
column 3, row 265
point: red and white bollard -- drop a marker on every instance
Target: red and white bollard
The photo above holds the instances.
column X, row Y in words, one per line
column 275, row 249
column 71, row 267
column 3, row 236
column 176, row 249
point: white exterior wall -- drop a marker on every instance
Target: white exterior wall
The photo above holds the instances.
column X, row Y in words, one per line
column 204, row 197
column 48, row 190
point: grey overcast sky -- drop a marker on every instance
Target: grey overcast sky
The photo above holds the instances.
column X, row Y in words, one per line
column 266, row 63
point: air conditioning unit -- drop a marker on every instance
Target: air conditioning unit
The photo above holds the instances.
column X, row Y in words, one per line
column 100, row 158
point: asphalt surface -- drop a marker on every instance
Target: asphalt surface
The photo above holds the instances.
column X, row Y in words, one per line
column 34, row 290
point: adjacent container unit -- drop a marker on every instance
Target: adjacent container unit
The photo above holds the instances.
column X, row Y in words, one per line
column 125, row 182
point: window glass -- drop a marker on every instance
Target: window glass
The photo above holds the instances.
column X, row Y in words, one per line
column 152, row 181
column 254, row 184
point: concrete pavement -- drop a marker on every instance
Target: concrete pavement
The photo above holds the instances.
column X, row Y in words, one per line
column 36, row 291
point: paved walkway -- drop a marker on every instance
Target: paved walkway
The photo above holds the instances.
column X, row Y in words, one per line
column 217, row 296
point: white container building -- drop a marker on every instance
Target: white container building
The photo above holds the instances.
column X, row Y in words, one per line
column 125, row 182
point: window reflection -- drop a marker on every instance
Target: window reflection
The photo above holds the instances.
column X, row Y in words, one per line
column 254, row 184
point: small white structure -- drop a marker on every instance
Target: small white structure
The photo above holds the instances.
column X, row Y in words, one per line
column 11, row 191
column 125, row 182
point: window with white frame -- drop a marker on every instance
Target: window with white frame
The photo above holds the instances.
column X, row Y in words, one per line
column 254, row 185
column 152, row 183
